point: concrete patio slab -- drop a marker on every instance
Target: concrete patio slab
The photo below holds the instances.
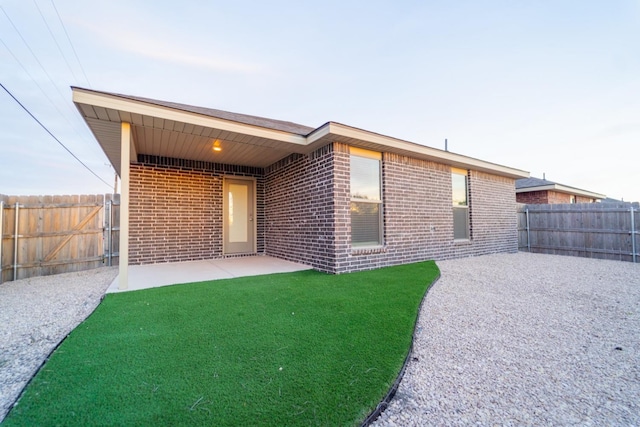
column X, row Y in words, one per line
column 156, row 275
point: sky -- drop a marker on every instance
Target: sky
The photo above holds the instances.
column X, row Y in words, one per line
column 549, row 86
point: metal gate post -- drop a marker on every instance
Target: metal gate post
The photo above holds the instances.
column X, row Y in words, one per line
column 15, row 244
column 1, row 233
column 526, row 211
column 633, row 234
column 110, row 232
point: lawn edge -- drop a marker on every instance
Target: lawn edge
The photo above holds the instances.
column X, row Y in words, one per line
column 46, row 359
column 384, row 403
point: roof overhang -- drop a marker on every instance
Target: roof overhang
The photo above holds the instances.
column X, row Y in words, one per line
column 562, row 189
column 170, row 132
column 332, row 131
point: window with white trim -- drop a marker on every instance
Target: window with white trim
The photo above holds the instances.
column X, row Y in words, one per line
column 459, row 187
column 366, row 198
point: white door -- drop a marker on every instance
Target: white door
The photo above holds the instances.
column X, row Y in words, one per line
column 239, row 216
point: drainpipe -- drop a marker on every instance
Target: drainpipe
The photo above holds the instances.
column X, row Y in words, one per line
column 526, row 211
column 15, row 245
column 633, row 234
column 1, row 232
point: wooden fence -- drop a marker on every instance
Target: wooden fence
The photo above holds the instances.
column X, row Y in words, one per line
column 42, row 235
column 591, row 230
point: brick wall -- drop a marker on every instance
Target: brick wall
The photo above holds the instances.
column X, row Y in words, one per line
column 494, row 224
column 555, row 197
column 304, row 211
column 548, row 197
column 533, row 197
column 176, row 209
column 299, row 208
column 418, row 216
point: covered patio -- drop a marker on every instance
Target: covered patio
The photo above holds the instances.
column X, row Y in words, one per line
column 156, row 275
column 206, row 184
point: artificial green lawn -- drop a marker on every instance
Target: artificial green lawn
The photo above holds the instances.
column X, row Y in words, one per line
column 301, row 348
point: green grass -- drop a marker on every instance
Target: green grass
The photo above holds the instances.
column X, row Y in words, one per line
column 301, row 348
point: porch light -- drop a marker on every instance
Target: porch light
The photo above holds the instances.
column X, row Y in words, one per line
column 217, row 146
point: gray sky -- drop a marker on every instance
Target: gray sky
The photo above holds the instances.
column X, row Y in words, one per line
column 545, row 86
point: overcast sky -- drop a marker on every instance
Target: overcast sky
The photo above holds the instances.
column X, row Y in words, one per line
column 545, row 86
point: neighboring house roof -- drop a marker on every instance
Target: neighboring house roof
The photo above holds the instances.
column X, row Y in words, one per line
column 169, row 129
column 525, row 185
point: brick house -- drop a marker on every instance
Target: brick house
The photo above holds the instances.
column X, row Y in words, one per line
column 198, row 183
column 535, row 191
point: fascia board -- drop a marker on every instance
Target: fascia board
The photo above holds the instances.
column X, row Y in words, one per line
column 132, row 106
column 551, row 187
column 439, row 155
column 562, row 189
column 578, row 192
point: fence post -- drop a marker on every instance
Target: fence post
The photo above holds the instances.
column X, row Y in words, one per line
column 15, row 244
column 1, row 234
column 526, row 211
column 633, row 234
column 110, row 232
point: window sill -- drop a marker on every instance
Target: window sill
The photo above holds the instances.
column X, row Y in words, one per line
column 461, row 241
column 365, row 250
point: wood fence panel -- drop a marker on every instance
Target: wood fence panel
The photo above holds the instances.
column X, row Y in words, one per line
column 56, row 234
column 593, row 230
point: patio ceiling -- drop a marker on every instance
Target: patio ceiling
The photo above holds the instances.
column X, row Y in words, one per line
column 186, row 132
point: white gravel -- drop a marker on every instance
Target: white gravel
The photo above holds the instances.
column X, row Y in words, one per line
column 35, row 315
column 525, row 339
column 509, row 339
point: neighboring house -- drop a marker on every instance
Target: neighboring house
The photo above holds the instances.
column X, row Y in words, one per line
column 541, row 191
column 199, row 183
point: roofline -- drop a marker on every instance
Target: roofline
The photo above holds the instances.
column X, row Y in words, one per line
column 105, row 100
column 561, row 189
column 327, row 130
column 333, row 128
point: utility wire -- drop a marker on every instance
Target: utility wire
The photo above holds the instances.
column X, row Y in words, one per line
column 75, row 128
column 32, row 79
column 69, row 39
column 35, row 56
column 65, row 116
column 53, row 136
column 55, row 40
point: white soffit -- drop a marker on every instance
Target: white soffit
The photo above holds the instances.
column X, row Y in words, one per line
column 112, row 102
column 100, row 110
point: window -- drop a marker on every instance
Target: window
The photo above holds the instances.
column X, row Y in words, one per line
column 572, row 199
column 366, row 200
column 460, row 204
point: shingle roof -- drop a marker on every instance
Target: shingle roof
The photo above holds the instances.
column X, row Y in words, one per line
column 535, row 183
column 532, row 182
column 264, row 122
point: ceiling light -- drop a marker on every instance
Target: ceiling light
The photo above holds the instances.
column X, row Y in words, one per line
column 217, row 146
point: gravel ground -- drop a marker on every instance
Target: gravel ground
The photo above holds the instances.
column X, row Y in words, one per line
column 35, row 315
column 509, row 339
column 525, row 339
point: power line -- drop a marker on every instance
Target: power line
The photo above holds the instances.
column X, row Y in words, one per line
column 32, row 79
column 53, row 136
column 75, row 129
column 55, row 40
column 73, row 125
column 35, row 56
column 69, row 39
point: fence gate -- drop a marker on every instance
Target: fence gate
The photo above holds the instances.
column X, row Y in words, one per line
column 592, row 230
column 42, row 235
